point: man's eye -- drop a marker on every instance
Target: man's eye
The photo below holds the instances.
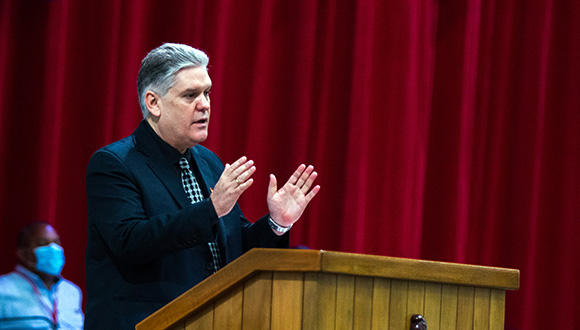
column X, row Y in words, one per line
column 206, row 93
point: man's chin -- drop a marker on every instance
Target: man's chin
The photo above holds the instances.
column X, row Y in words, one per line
column 199, row 138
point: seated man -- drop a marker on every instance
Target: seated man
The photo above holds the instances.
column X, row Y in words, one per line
column 34, row 295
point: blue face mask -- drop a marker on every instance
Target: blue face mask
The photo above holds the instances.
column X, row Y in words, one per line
column 49, row 259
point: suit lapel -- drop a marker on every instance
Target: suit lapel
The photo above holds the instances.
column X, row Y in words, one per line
column 203, row 167
column 167, row 173
column 171, row 179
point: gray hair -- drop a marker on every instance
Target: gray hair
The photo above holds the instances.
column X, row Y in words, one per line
column 159, row 67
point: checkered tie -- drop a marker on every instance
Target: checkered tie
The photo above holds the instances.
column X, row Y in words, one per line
column 189, row 182
column 194, row 194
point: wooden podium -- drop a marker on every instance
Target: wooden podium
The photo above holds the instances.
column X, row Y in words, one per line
column 309, row 289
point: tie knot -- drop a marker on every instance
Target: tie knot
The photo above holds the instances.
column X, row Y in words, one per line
column 183, row 163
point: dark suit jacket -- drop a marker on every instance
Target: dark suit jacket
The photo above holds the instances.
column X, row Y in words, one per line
column 146, row 243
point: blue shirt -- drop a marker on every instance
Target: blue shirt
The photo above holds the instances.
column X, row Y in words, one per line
column 26, row 302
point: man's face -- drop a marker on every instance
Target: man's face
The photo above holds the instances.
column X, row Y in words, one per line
column 41, row 235
column 182, row 116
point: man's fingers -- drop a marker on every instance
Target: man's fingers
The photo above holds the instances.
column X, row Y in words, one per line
column 309, row 181
column 243, row 168
column 273, row 186
column 231, row 168
column 296, row 175
column 243, row 186
column 239, row 162
column 239, row 172
column 312, row 193
column 304, row 177
column 241, row 177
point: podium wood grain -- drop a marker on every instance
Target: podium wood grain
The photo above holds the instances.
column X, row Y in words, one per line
column 285, row 289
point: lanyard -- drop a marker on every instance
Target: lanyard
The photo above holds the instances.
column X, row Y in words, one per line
column 52, row 311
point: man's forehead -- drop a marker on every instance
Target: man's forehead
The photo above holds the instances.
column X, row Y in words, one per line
column 192, row 78
column 43, row 232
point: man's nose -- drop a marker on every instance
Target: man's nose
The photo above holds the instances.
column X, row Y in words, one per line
column 203, row 103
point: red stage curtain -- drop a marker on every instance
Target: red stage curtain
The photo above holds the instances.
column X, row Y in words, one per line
column 442, row 130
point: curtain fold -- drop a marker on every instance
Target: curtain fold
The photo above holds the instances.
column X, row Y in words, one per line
column 441, row 130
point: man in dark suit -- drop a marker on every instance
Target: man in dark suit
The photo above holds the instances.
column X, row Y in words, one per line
column 163, row 211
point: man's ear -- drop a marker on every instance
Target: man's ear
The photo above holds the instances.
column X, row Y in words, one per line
column 152, row 101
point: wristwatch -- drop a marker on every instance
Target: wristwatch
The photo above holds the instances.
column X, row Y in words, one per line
column 277, row 227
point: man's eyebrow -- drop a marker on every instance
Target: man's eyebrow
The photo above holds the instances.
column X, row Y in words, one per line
column 191, row 90
column 195, row 90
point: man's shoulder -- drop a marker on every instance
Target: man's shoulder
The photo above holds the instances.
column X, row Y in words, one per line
column 8, row 281
column 7, row 276
column 120, row 147
column 67, row 285
column 121, row 150
column 125, row 146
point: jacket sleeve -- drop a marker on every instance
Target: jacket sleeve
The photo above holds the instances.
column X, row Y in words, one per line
column 259, row 234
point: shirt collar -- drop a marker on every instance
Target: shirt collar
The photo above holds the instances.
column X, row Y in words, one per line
column 167, row 151
column 35, row 278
